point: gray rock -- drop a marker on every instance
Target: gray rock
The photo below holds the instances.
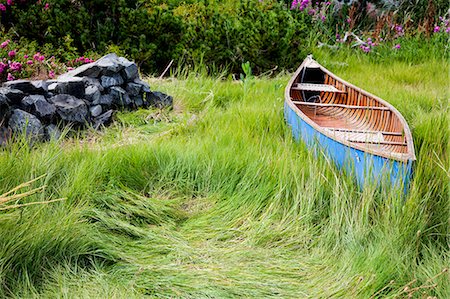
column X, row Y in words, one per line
column 86, row 70
column 96, row 110
column 73, row 86
column 52, row 132
column 120, row 96
column 114, row 80
column 138, row 101
column 38, row 105
column 130, row 72
column 145, row 86
column 105, row 99
column 93, row 82
column 103, row 119
column 159, row 99
column 70, row 108
column 27, row 86
column 110, row 64
column 24, row 122
column 133, row 88
column 92, row 93
column 14, row 96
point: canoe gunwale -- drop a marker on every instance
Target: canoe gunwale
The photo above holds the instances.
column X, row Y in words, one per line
column 403, row 157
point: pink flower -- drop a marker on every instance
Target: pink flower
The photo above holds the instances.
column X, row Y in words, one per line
column 447, row 30
column 51, row 74
column 15, row 66
column 397, row 46
column 38, row 57
column 46, row 6
column 25, row 56
column 9, row 2
column 2, row 7
column 10, row 77
column 436, row 29
column 12, row 53
column 349, row 20
column 70, row 68
column 30, row 62
column 87, row 60
column 3, row 66
column 4, row 44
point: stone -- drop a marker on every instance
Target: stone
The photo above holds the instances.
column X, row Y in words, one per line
column 92, row 93
column 109, row 81
column 105, row 99
column 93, row 82
column 96, row 110
column 110, row 64
column 145, row 87
column 73, row 86
column 130, row 71
column 70, row 108
column 52, row 132
column 24, row 122
column 159, row 99
column 38, row 105
column 14, row 96
column 86, row 70
column 120, row 96
column 103, row 119
column 138, row 101
column 133, row 88
column 27, row 86
column 5, row 135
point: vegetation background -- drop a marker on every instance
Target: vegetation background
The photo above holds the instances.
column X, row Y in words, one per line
column 214, row 199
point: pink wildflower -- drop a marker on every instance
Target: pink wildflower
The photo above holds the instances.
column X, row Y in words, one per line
column 51, row 74
column 4, row 44
column 349, row 20
column 2, row 7
column 46, row 6
column 436, row 28
column 10, row 77
column 9, row 2
column 447, row 30
column 15, row 66
column 30, row 62
column 397, row 46
column 25, row 56
column 3, row 66
column 12, row 53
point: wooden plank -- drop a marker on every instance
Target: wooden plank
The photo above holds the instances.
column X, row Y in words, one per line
column 365, row 131
column 316, row 87
column 379, row 142
column 339, row 106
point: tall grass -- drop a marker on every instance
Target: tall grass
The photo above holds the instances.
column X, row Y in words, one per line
column 215, row 199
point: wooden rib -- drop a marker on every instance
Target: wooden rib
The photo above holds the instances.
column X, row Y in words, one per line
column 340, row 106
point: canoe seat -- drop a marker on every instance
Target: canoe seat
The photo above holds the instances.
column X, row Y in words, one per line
column 316, row 87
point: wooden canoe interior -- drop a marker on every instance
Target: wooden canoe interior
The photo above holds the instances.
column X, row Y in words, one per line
column 347, row 113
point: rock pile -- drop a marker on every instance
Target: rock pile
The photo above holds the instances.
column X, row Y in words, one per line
column 87, row 95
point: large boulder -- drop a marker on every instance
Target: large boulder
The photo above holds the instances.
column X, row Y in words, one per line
column 24, row 122
column 70, row 108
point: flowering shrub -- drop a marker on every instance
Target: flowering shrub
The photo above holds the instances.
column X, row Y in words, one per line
column 18, row 62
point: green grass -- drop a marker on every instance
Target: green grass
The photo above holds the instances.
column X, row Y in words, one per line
column 215, row 199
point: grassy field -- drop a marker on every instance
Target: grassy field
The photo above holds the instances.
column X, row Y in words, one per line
column 214, row 199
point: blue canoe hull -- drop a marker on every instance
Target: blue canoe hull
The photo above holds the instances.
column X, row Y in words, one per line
column 367, row 168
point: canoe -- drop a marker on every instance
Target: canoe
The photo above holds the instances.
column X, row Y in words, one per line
column 358, row 131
